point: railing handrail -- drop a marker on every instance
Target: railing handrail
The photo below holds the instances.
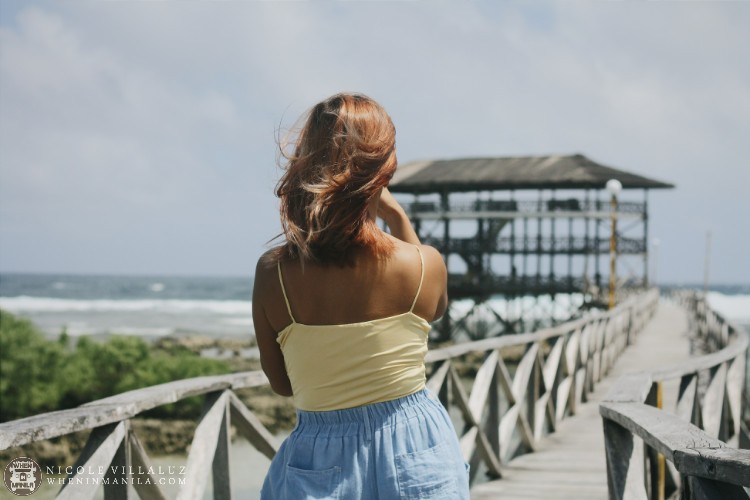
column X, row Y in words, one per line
column 510, row 206
column 524, row 338
column 709, row 467
column 706, row 361
column 119, row 407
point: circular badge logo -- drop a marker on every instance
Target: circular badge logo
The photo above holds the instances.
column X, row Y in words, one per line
column 22, row 476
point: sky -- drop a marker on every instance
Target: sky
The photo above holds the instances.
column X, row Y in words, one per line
column 140, row 137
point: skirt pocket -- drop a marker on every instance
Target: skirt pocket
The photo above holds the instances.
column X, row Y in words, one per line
column 422, row 474
column 312, row 484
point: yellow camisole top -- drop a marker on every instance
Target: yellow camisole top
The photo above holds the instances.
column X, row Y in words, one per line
column 332, row 367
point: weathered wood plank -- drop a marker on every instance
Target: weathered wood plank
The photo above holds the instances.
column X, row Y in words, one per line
column 705, row 489
column 503, row 341
column 735, row 385
column 585, row 381
column 728, row 465
column 571, row 352
column 94, row 460
column 507, row 424
column 473, row 439
column 552, row 364
column 117, row 408
column 630, row 388
column 180, row 389
column 147, row 487
column 118, row 473
column 699, row 363
column 203, row 447
column 492, row 424
column 564, row 396
column 660, row 430
column 540, row 335
column 222, row 486
column 460, row 398
column 506, row 384
column 436, row 380
column 713, row 402
column 57, row 423
column 687, row 397
column 523, row 372
column 482, row 382
column 249, row 427
column 540, row 414
column 624, row 453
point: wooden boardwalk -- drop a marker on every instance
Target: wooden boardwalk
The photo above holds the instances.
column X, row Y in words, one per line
column 570, row 463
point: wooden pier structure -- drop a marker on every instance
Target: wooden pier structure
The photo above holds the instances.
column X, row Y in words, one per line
column 522, row 228
column 609, row 405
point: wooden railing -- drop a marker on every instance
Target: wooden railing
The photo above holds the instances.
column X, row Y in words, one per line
column 692, row 451
column 488, row 208
column 525, row 385
column 528, row 382
column 113, row 452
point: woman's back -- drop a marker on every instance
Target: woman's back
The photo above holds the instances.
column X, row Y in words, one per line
column 349, row 363
column 371, row 287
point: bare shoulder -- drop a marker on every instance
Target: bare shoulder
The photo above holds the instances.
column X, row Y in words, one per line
column 269, row 258
column 431, row 253
column 265, row 268
column 433, row 259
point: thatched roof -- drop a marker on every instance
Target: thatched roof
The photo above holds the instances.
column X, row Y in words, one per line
column 518, row 172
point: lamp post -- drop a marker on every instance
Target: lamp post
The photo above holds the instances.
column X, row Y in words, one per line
column 614, row 187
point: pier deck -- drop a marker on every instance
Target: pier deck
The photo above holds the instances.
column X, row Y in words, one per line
column 570, row 463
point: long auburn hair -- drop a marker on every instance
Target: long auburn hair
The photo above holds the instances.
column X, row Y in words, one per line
column 342, row 156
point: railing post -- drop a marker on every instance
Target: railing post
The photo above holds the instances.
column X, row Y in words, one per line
column 625, row 480
column 492, row 428
column 699, row 488
column 118, row 473
column 657, row 464
column 220, row 466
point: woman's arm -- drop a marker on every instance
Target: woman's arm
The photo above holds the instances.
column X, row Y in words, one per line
column 271, row 357
column 437, row 279
column 437, row 276
column 395, row 217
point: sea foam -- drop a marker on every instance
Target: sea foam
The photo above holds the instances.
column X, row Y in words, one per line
column 25, row 304
column 733, row 307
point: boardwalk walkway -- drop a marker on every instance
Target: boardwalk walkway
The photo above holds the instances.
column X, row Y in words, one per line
column 570, row 464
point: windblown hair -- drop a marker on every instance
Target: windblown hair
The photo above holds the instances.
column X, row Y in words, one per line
column 342, row 156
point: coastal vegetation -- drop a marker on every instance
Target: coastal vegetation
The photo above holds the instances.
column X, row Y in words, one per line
column 39, row 375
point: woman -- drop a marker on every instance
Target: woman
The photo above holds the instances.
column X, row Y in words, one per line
column 342, row 312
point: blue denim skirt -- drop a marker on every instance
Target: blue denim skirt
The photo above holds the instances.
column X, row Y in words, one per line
column 404, row 448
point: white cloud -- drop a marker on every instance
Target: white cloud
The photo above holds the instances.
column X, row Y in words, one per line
column 165, row 111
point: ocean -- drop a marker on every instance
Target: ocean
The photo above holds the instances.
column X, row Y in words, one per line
column 156, row 306
column 148, row 306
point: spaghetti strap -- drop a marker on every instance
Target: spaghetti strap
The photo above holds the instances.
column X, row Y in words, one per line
column 421, row 279
column 283, row 290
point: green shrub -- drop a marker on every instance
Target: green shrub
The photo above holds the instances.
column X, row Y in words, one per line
column 39, row 375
